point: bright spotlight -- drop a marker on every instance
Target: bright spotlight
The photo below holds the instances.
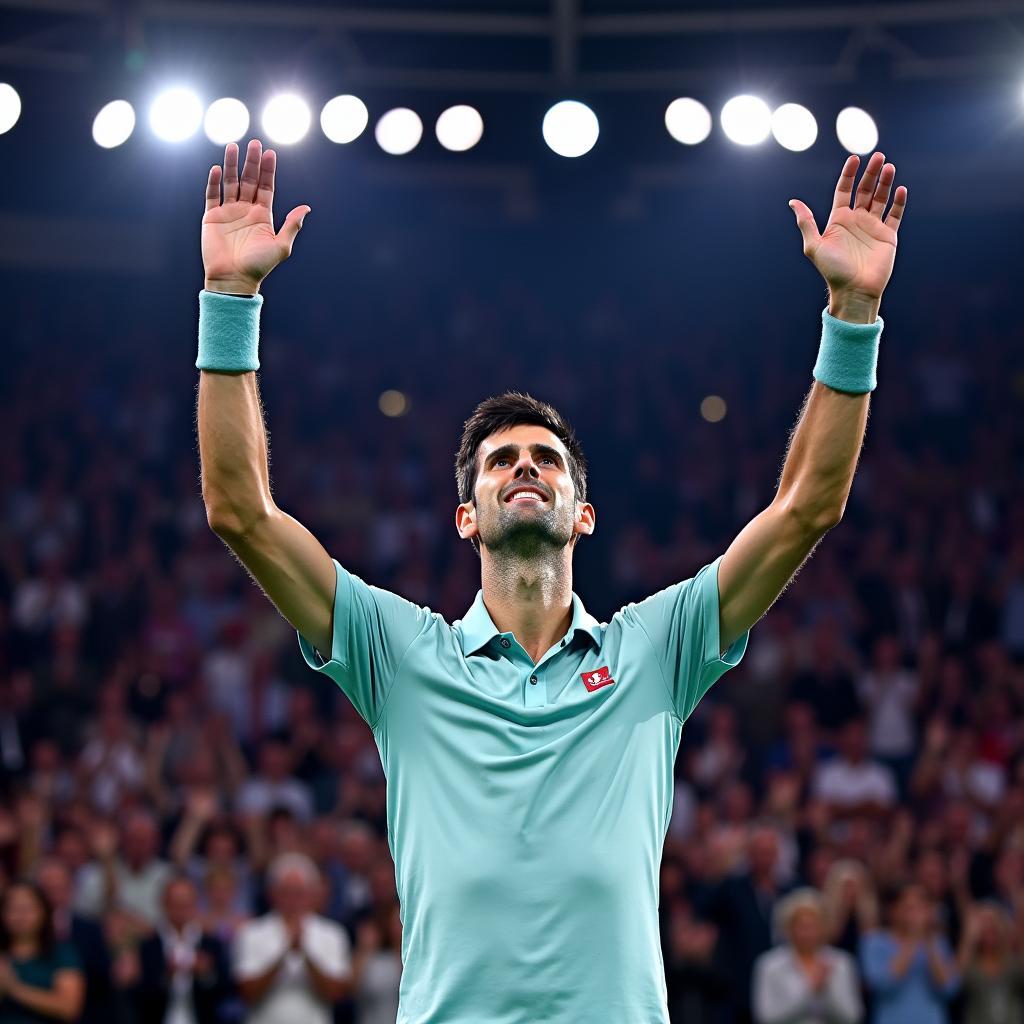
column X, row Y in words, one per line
column 286, row 118
column 227, row 120
column 688, row 121
column 344, row 118
column 570, row 128
column 10, row 107
column 399, row 131
column 459, row 128
column 176, row 115
column 794, row 127
column 746, row 120
column 114, row 124
column 856, row 130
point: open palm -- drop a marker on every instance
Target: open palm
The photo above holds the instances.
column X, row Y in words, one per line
column 240, row 246
column 855, row 252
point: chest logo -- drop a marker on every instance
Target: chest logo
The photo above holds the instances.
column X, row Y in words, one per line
column 596, row 679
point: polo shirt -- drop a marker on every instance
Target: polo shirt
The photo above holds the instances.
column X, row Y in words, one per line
column 527, row 804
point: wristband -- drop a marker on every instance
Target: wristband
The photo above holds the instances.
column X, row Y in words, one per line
column 229, row 332
column 848, row 355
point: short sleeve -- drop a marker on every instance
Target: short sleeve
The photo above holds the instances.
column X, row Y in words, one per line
column 681, row 623
column 372, row 630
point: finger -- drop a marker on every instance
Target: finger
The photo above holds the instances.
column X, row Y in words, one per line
column 805, row 222
column 290, row 227
column 844, row 187
column 213, row 187
column 265, row 189
column 880, row 199
column 868, row 181
column 231, row 172
column 899, row 204
column 250, row 172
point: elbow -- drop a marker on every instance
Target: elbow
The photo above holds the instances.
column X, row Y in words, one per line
column 232, row 524
column 812, row 520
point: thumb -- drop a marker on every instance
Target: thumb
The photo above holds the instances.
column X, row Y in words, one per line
column 291, row 225
column 805, row 222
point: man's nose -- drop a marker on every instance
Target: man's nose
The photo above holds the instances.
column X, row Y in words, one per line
column 526, row 465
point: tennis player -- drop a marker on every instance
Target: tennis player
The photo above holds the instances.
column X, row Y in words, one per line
column 528, row 748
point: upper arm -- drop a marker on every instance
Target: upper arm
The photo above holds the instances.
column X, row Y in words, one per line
column 294, row 570
column 758, row 565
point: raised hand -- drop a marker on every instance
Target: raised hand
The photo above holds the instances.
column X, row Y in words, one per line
column 240, row 246
column 856, row 251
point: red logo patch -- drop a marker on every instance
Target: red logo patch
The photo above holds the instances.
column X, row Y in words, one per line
column 596, row 679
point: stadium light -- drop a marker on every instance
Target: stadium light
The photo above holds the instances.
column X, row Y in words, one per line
column 227, row 120
column 114, row 124
column 688, row 121
column 344, row 118
column 794, row 127
column 856, row 130
column 399, row 131
column 570, row 128
column 746, row 120
column 10, row 107
column 459, row 128
column 176, row 115
column 286, row 118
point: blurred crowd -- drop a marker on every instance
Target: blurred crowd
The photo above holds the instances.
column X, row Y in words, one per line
column 192, row 824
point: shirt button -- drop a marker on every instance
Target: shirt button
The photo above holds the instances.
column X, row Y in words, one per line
column 505, row 642
column 533, row 679
column 562, row 644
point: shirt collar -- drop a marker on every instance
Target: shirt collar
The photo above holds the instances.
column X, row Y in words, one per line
column 477, row 629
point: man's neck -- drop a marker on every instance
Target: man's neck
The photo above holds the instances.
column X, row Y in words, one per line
column 530, row 599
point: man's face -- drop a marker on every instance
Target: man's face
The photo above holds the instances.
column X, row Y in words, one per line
column 524, row 500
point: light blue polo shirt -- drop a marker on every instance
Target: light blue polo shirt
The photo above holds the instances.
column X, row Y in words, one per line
column 527, row 805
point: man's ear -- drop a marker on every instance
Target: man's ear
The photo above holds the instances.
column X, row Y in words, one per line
column 465, row 520
column 586, row 518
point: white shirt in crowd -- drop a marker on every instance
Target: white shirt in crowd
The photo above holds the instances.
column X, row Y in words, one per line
column 846, row 784
column 889, row 698
column 180, row 954
column 291, row 998
column 783, row 995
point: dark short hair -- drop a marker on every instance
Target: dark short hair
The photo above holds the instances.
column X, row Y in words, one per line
column 502, row 412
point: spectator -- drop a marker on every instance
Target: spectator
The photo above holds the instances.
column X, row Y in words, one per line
column 698, row 989
column 184, row 977
column 84, row 934
column 805, row 981
column 377, row 968
column 850, row 905
column 292, row 965
column 131, row 881
column 851, row 784
column 910, row 969
column 274, row 785
column 40, row 978
column 742, row 905
column 992, row 972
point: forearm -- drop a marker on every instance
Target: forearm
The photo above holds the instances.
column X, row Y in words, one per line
column 233, row 451
column 823, row 451
column 255, row 988
column 328, row 988
column 56, row 1004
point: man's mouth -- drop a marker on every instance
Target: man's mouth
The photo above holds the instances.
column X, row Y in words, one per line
column 524, row 495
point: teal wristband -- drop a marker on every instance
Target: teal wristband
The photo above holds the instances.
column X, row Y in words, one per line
column 229, row 332
column 848, row 356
